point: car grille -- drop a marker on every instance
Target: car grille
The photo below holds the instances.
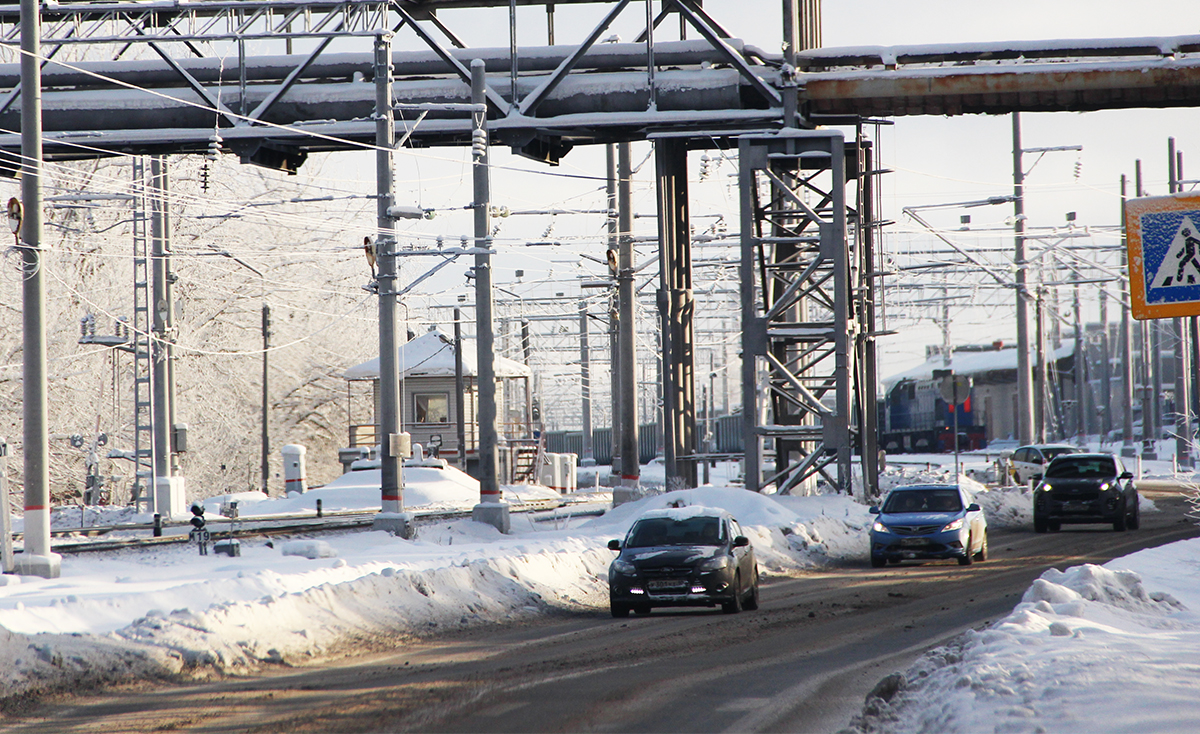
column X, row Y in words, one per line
column 915, row 529
column 1084, row 495
column 667, row 572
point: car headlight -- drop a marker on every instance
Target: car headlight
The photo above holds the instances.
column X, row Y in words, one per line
column 1045, row 487
column 1105, row 487
column 880, row 527
column 953, row 525
column 624, row 567
column 714, row 564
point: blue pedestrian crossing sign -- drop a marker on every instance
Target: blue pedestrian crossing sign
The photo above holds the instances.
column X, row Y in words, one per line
column 1163, row 238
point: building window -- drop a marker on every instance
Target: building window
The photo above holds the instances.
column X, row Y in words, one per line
column 432, row 408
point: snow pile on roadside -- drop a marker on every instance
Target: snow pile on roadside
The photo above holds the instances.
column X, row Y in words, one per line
column 787, row 533
column 1010, row 506
column 1061, row 661
column 167, row 612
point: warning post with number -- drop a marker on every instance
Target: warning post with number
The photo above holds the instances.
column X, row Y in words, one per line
column 1163, row 240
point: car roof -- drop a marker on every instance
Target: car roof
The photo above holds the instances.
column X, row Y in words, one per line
column 684, row 513
column 1088, row 455
column 1049, row 446
column 924, row 486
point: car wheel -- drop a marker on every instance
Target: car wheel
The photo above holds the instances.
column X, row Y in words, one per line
column 734, row 605
column 642, row 609
column 1121, row 523
column 966, row 559
column 751, row 602
column 619, row 610
column 1054, row 526
column 983, row 549
column 878, row 561
column 1040, row 525
column 1135, row 520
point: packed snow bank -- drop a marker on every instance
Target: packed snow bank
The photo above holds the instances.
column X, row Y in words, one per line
column 1092, row 649
column 167, row 612
column 787, row 533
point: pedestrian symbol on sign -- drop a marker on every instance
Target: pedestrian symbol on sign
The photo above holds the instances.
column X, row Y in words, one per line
column 1163, row 237
column 1180, row 267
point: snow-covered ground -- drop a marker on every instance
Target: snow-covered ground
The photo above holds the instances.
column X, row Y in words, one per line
column 1080, row 648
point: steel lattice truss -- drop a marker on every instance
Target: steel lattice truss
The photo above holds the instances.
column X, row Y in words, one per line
column 274, row 110
column 806, row 347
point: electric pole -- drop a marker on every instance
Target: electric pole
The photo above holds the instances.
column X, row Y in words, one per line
column 1127, row 447
column 585, row 387
column 1024, row 375
column 37, row 560
column 391, row 517
column 266, row 432
column 491, row 508
column 630, row 461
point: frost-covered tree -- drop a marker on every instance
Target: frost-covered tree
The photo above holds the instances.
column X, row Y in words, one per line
column 253, row 237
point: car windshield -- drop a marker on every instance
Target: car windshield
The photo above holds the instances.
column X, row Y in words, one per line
column 649, row 532
column 1081, row 467
column 1051, row 453
column 923, row 500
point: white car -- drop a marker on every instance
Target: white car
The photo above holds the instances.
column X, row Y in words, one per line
column 1028, row 462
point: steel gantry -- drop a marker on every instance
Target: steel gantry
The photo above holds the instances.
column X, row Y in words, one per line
column 808, row 295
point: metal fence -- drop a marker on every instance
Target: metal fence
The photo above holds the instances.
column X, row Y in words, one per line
column 727, row 430
column 571, row 442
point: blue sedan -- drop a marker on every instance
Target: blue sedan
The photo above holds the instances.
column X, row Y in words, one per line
column 928, row 522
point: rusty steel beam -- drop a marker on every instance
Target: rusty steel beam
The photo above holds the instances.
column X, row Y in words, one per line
column 1001, row 89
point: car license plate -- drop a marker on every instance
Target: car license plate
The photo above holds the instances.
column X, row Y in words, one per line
column 908, row 542
column 665, row 584
column 1075, row 507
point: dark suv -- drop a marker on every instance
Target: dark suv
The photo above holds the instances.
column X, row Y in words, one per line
column 1086, row 488
column 683, row 557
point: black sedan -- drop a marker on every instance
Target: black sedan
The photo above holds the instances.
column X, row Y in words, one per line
column 683, row 557
column 1086, row 488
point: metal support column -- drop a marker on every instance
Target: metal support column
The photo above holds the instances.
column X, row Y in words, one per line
column 37, row 560
column 866, row 230
column 391, row 517
column 1106, row 417
column 1151, row 384
column 1183, row 419
column 1025, row 430
column 167, row 488
column 627, row 327
column 265, row 458
column 6, row 546
column 614, row 314
column 1078, row 373
column 460, row 392
column 587, row 458
column 491, row 508
column 1127, row 447
column 676, row 310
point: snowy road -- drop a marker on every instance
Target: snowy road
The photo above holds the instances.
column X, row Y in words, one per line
column 802, row 663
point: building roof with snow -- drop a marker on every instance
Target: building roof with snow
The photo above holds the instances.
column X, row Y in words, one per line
column 432, row 355
column 972, row 362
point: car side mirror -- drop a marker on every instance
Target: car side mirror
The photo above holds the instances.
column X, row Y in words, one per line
column 614, row 545
column 1127, row 475
column 741, row 541
column 873, row 510
column 974, row 507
